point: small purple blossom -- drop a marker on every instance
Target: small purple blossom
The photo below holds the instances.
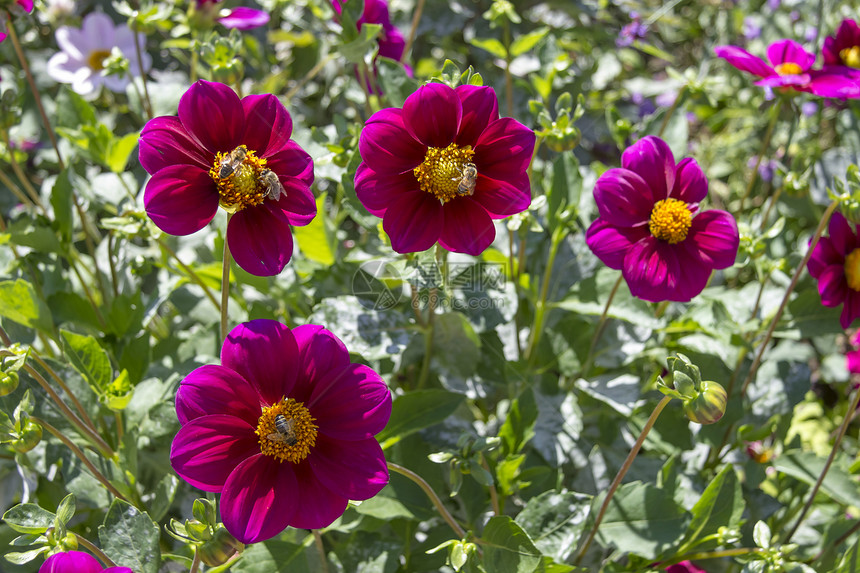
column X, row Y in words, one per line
column 635, row 30
column 751, row 28
column 77, row 562
column 809, row 108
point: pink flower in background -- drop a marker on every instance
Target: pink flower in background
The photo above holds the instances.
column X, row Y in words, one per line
column 790, row 67
column 843, row 49
column 77, row 562
column 684, row 567
column 443, row 167
column 650, row 226
column 20, row 5
column 241, row 18
column 283, row 429
column 235, row 153
column 835, row 264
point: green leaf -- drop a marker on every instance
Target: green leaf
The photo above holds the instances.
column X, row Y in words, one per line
column 88, row 358
column 73, row 110
column 455, row 344
column 528, row 41
column 761, row 534
column 66, row 509
column 119, row 150
column 555, row 521
column 850, row 562
column 314, row 239
column 508, row 548
column 519, row 425
column 357, row 49
column 806, row 467
column 19, row 302
column 491, row 45
column 61, row 201
column 416, row 411
column 26, row 556
column 721, row 504
column 278, row 556
column 642, row 519
column 130, row 538
column 566, row 187
column 29, row 518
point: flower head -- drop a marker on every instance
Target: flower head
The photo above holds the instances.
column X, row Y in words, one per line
column 684, row 567
column 443, row 167
column 843, row 49
column 77, row 562
column 241, row 18
column 235, row 153
column 85, row 49
column 790, row 67
column 650, row 226
column 283, row 429
column 18, row 6
column 635, row 30
column 835, row 264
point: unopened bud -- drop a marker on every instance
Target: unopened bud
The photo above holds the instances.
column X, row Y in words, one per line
column 220, row 548
column 709, row 405
column 28, row 438
column 8, row 382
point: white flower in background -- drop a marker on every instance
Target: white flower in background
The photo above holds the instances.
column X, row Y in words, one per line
column 84, row 50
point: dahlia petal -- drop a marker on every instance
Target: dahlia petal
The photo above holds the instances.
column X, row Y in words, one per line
column 213, row 389
column 789, row 51
column 654, row 272
column 263, row 352
column 851, row 309
column 387, row 146
column 165, row 142
column 841, row 83
column 414, row 222
column 268, row 125
column 623, row 198
column 206, row 450
column 852, row 360
column 610, row 244
column 503, row 198
column 480, row 109
column 842, row 234
column 823, row 256
column 830, row 51
column 651, row 158
column 295, row 170
column 181, row 199
column 832, row 286
column 392, row 45
column 317, row 506
column 432, row 115
column 377, row 191
column 355, row 469
column 243, row 18
column 260, row 239
column 796, row 81
column 73, row 42
column 320, row 352
column 68, row 561
column 468, row 227
column 25, row 4
column 213, row 115
column 744, row 61
column 504, row 149
column 714, row 236
column 352, row 403
column 374, row 12
column 260, row 498
column 691, row 185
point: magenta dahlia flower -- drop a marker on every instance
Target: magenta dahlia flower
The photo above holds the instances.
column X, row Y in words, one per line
column 790, row 67
column 283, row 429
column 835, row 264
column 241, row 18
column 650, row 226
column 443, row 167
column 843, row 49
column 684, row 567
column 77, row 562
column 18, row 6
column 235, row 153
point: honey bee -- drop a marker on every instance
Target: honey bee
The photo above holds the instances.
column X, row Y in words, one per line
column 468, row 180
column 272, row 184
column 231, row 161
column 286, row 431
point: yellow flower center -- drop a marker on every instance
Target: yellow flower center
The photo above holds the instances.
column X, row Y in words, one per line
column 852, row 269
column 442, row 170
column 670, row 220
column 97, row 58
column 788, row 69
column 850, row 56
column 237, row 174
column 286, row 431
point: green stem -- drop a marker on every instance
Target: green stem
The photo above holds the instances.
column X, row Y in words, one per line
column 513, row 264
column 540, row 306
column 19, row 173
column 195, row 564
column 701, row 556
column 147, row 103
column 225, row 284
column 321, row 549
column 509, row 79
column 16, row 191
column 429, row 331
column 446, row 515
column 95, row 550
column 413, row 29
column 77, row 404
column 191, row 274
column 601, row 325
column 620, row 475
column 765, row 144
column 309, row 76
column 671, row 111
column 494, row 495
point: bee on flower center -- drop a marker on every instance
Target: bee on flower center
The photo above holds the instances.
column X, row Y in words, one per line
column 231, row 161
column 468, row 179
column 286, row 431
column 273, row 186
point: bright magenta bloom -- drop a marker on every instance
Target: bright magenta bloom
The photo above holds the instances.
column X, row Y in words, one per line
column 25, row 5
column 241, row 18
column 835, row 264
column 843, row 49
column 790, row 67
column 192, row 160
column 283, row 429
column 414, row 174
column 77, row 562
column 650, row 226
column 684, row 567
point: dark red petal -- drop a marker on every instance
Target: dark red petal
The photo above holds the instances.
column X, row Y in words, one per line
column 623, row 198
column 824, row 255
column 432, row 115
column 260, row 498
column 480, row 108
column 352, row 403
column 165, row 142
column 317, row 506
column 213, row 115
column 651, row 159
column 181, row 199
column 842, row 234
column 378, row 191
column 714, row 238
column 851, row 309
column 611, row 244
column 468, row 227
column 213, row 389
column 504, row 149
column 414, row 222
column 290, row 160
column 387, row 146
column 691, row 185
column 656, row 271
column 503, row 198
column 267, row 124
column 207, row 449
column 261, row 240
column 71, row 562
column 833, row 286
column 265, row 353
column 354, row 469
column 320, row 352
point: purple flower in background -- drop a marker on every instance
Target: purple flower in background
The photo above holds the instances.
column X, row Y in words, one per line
column 635, row 30
column 751, row 29
column 20, row 5
column 809, row 108
column 766, row 168
column 650, row 226
column 77, row 562
column 240, row 18
column 84, row 50
column 835, row 264
column 773, row 4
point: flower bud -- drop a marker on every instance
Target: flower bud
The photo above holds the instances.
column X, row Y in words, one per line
column 28, row 438
column 709, row 405
column 220, row 548
column 69, row 542
column 8, row 382
column 563, row 139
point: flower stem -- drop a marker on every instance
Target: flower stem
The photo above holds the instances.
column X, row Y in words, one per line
column 601, row 325
column 701, row 556
column 195, row 564
column 147, row 103
column 540, row 306
column 95, row 550
column 16, row 191
column 78, row 406
column 429, row 331
column 191, row 274
column 671, row 111
column 309, row 76
column 509, row 79
column 446, row 515
column 319, row 544
column 513, row 265
column 765, row 144
column 841, row 434
column 818, row 232
column 225, row 285
column 416, row 19
column 494, row 495
column 22, row 177
column 620, row 475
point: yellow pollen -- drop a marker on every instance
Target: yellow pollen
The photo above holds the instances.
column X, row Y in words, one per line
column 96, row 59
column 301, row 423
column 670, row 220
column 788, row 69
column 850, row 56
column 852, row 269
column 242, row 188
column 442, row 170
